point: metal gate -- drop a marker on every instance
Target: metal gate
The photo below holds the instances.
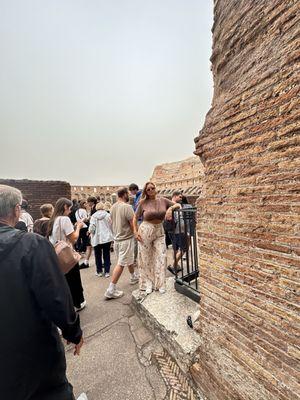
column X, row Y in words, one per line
column 184, row 242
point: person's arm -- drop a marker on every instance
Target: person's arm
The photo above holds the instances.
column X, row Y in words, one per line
column 30, row 223
column 138, row 214
column 135, row 229
column 171, row 207
column 85, row 217
column 92, row 226
column 50, row 289
column 73, row 236
column 108, row 217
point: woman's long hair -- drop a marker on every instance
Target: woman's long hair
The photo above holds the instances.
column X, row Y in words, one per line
column 144, row 195
column 59, row 210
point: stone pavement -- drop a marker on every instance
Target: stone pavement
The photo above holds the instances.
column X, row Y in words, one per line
column 115, row 360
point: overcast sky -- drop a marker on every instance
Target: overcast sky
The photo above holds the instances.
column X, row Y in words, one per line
column 99, row 92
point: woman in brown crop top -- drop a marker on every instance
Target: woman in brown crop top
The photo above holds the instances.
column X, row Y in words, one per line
column 152, row 252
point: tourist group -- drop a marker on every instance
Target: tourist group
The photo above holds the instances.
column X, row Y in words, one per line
column 40, row 263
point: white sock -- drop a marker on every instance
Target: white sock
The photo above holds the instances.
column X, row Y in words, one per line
column 112, row 287
column 132, row 275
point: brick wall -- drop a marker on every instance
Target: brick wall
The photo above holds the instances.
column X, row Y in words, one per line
column 183, row 175
column 39, row 192
column 249, row 223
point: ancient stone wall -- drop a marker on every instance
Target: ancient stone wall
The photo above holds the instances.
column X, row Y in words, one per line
column 39, row 192
column 185, row 175
column 249, row 223
column 104, row 193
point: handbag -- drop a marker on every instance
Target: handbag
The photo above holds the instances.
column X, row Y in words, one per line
column 67, row 256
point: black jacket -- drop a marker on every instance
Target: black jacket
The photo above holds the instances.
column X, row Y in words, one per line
column 34, row 299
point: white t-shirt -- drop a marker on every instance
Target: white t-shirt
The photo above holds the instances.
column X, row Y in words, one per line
column 62, row 228
column 80, row 214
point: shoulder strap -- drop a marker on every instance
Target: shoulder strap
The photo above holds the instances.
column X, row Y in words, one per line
column 60, row 230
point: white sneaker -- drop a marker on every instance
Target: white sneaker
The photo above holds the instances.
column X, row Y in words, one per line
column 162, row 290
column 116, row 294
column 149, row 290
column 98, row 274
column 82, row 306
column 133, row 280
column 107, row 275
column 83, row 396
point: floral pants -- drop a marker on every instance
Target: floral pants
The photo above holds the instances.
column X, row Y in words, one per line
column 152, row 256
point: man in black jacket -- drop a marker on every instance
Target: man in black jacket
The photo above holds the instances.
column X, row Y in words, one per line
column 34, row 301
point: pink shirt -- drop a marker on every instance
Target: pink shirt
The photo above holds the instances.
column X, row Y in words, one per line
column 149, row 210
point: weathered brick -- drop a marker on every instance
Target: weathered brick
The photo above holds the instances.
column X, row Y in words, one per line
column 249, row 213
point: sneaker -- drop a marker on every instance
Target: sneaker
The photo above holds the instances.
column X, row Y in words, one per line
column 116, row 294
column 149, row 290
column 134, row 280
column 82, row 306
column 99, row 274
column 162, row 290
column 84, row 265
column 83, row 396
column 107, row 275
column 174, row 270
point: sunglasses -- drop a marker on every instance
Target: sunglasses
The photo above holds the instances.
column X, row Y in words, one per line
column 149, row 189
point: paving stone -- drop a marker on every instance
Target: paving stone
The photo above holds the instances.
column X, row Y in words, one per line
column 166, row 316
column 111, row 361
column 142, row 336
column 135, row 322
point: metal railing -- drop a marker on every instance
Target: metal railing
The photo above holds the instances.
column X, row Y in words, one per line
column 185, row 257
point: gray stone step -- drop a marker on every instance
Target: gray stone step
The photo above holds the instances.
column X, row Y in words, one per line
column 165, row 315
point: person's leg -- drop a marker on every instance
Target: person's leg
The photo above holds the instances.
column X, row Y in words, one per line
column 145, row 257
column 178, row 256
column 88, row 252
column 117, row 272
column 128, row 260
column 182, row 244
column 106, row 256
column 135, row 251
column 84, row 238
column 79, row 242
column 74, row 281
column 112, row 292
column 86, row 247
column 160, row 261
column 98, row 258
column 177, row 253
column 131, row 269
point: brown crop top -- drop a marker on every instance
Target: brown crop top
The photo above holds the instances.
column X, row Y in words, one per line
column 150, row 210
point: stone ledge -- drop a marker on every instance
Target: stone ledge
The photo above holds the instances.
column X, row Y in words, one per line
column 165, row 315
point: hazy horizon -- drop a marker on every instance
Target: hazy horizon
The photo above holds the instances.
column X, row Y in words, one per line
column 99, row 93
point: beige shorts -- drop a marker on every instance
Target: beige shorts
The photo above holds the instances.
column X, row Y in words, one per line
column 125, row 252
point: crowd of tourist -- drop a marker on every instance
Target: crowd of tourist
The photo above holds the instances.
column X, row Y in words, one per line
column 43, row 272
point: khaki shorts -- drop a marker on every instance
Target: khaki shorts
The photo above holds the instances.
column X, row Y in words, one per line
column 125, row 252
